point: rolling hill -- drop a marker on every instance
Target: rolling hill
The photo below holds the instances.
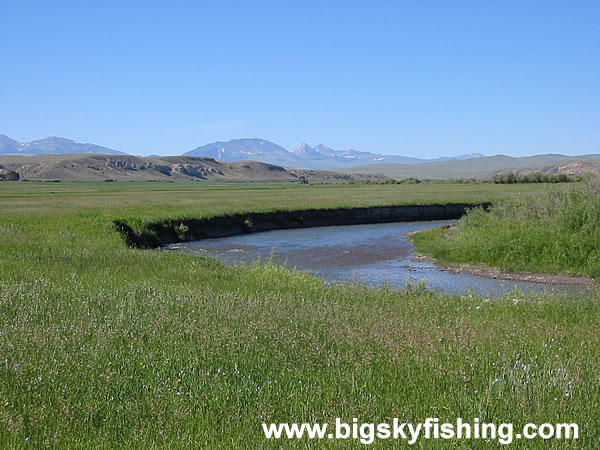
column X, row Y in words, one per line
column 132, row 168
column 484, row 167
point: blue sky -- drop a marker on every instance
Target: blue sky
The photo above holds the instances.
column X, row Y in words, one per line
column 419, row 78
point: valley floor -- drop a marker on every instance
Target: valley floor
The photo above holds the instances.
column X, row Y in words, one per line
column 107, row 346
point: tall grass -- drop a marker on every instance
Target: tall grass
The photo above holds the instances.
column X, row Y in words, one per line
column 103, row 346
column 557, row 231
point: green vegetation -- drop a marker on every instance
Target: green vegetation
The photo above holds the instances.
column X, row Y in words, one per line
column 535, row 177
column 9, row 175
column 107, row 346
column 413, row 180
column 557, row 231
column 502, row 178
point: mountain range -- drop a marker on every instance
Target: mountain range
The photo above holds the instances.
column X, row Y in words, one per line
column 322, row 157
column 51, row 145
column 303, row 156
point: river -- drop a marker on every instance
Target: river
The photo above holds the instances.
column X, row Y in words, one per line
column 374, row 254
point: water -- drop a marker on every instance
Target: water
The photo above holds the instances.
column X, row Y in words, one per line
column 377, row 255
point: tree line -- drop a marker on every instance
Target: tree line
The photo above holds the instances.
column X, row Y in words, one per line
column 535, row 177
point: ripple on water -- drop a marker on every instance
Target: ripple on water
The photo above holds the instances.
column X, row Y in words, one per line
column 375, row 254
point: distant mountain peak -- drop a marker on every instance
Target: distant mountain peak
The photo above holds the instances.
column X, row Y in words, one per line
column 325, row 150
column 470, row 156
column 246, row 149
column 460, row 157
column 301, row 149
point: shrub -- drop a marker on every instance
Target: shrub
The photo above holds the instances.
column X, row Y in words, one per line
column 9, row 175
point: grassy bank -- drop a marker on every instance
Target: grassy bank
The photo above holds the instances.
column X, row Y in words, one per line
column 106, row 346
column 557, row 231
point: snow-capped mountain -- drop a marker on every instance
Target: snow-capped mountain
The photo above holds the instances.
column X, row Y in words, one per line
column 302, row 156
column 347, row 158
column 248, row 149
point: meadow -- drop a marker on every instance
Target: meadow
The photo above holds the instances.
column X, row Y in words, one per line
column 105, row 346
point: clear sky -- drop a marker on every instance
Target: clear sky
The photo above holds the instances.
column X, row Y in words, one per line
column 418, row 78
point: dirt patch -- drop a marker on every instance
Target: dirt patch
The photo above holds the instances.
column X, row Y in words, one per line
column 496, row 273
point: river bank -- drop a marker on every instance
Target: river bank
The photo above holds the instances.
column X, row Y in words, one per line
column 553, row 237
column 481, row 270
column 155, row 234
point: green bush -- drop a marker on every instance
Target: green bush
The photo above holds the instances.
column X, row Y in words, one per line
column 9, row 175
column 535, row 177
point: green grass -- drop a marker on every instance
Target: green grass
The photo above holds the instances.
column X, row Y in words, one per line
column 106, row 346
column 555, row 232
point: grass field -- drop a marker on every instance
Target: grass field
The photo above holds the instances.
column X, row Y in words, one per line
column 106, row 346
column 556, row 231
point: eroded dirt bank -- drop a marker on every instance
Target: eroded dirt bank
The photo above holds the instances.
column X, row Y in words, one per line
column 170, row 231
